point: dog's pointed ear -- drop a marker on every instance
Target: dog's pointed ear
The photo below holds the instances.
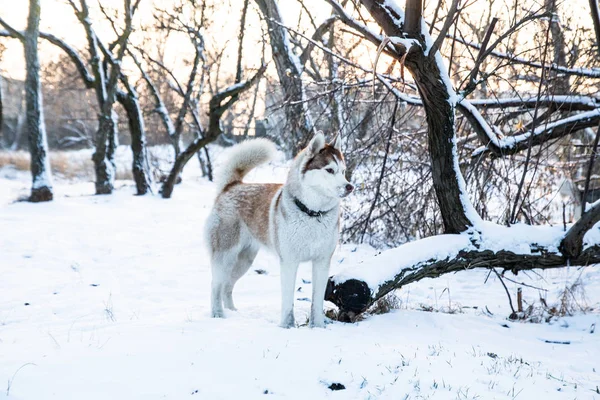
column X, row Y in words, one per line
column 317, row 143
column 337, row 142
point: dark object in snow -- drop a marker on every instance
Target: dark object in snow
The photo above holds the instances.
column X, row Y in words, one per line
column 260, row 271
column 303, row 299
column 593, row 328
column 492, row 355
column 337, row 386
column 557, row 341
column 353, row 295
column 266, row 391
column 305, row 281
column 194, row 392
column 505, row 326
column 299, row 289
column 94, row 284
column 26, row 304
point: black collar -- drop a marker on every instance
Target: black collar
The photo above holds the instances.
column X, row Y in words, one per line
column 308, row 211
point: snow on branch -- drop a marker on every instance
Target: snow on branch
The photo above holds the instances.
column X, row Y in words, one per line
column 562, row 103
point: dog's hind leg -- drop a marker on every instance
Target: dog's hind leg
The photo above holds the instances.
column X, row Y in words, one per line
column 222, row 267
column 288, row 285
column 223, row 235
column 245, row 259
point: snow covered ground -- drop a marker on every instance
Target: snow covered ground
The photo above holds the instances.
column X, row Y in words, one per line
column 108, row 298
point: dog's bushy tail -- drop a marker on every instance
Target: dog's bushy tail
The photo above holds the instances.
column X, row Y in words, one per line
column 242, row 158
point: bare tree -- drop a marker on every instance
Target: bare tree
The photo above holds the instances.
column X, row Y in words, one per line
column 409, row 43
column 105, row 85
column 289, row 70
column 41, row 189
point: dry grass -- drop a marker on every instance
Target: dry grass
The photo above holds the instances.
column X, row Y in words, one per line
column 384, row 305
column 66, row 164
column 572, row 300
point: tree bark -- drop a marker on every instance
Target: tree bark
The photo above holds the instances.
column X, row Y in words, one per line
column 103, row 165
column 558, row 84
column 289, row 71
column 140, row 167
column 572, row 244
column 41, row 189
column 1, row 107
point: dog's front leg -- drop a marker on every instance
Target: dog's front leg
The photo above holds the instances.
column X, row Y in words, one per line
column 288, row 285
column 320, row 273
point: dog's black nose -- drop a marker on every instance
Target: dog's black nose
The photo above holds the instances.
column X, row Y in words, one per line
column 349, row 188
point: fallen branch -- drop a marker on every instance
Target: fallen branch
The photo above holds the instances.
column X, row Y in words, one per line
column 354, row 296
column 357, row 288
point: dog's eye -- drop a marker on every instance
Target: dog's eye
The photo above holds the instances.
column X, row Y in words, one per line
column 330, row 170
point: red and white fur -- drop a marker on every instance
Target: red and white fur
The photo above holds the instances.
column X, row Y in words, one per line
column 299, row 221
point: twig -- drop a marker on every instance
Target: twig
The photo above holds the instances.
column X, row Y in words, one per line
column 516, row 207
column 475, row 71
column 11, row 380
column 385, row 157
column 506, row 289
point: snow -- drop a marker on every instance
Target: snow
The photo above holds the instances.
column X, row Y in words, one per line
column 406, row 43
column 491, row 133
column 107, row 297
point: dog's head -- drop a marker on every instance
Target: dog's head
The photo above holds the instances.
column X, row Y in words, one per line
column 324, row 168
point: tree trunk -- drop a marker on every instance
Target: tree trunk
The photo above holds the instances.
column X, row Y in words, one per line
column 559, row 82
column 439, row 100
column 1, row 107
column 103, row 165
column 446, row 175
column 140, row 167
column 41, row 189
column 289, row 71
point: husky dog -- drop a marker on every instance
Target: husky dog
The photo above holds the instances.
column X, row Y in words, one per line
column 299, row 221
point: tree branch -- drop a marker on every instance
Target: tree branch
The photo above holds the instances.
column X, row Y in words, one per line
column 572, row 244
column 219, row 103
column 317, row 36
column 450, row 19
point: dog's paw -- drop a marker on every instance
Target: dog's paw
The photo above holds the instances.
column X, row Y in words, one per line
column 217, row 314
column 320, row 323
column 288, row 322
